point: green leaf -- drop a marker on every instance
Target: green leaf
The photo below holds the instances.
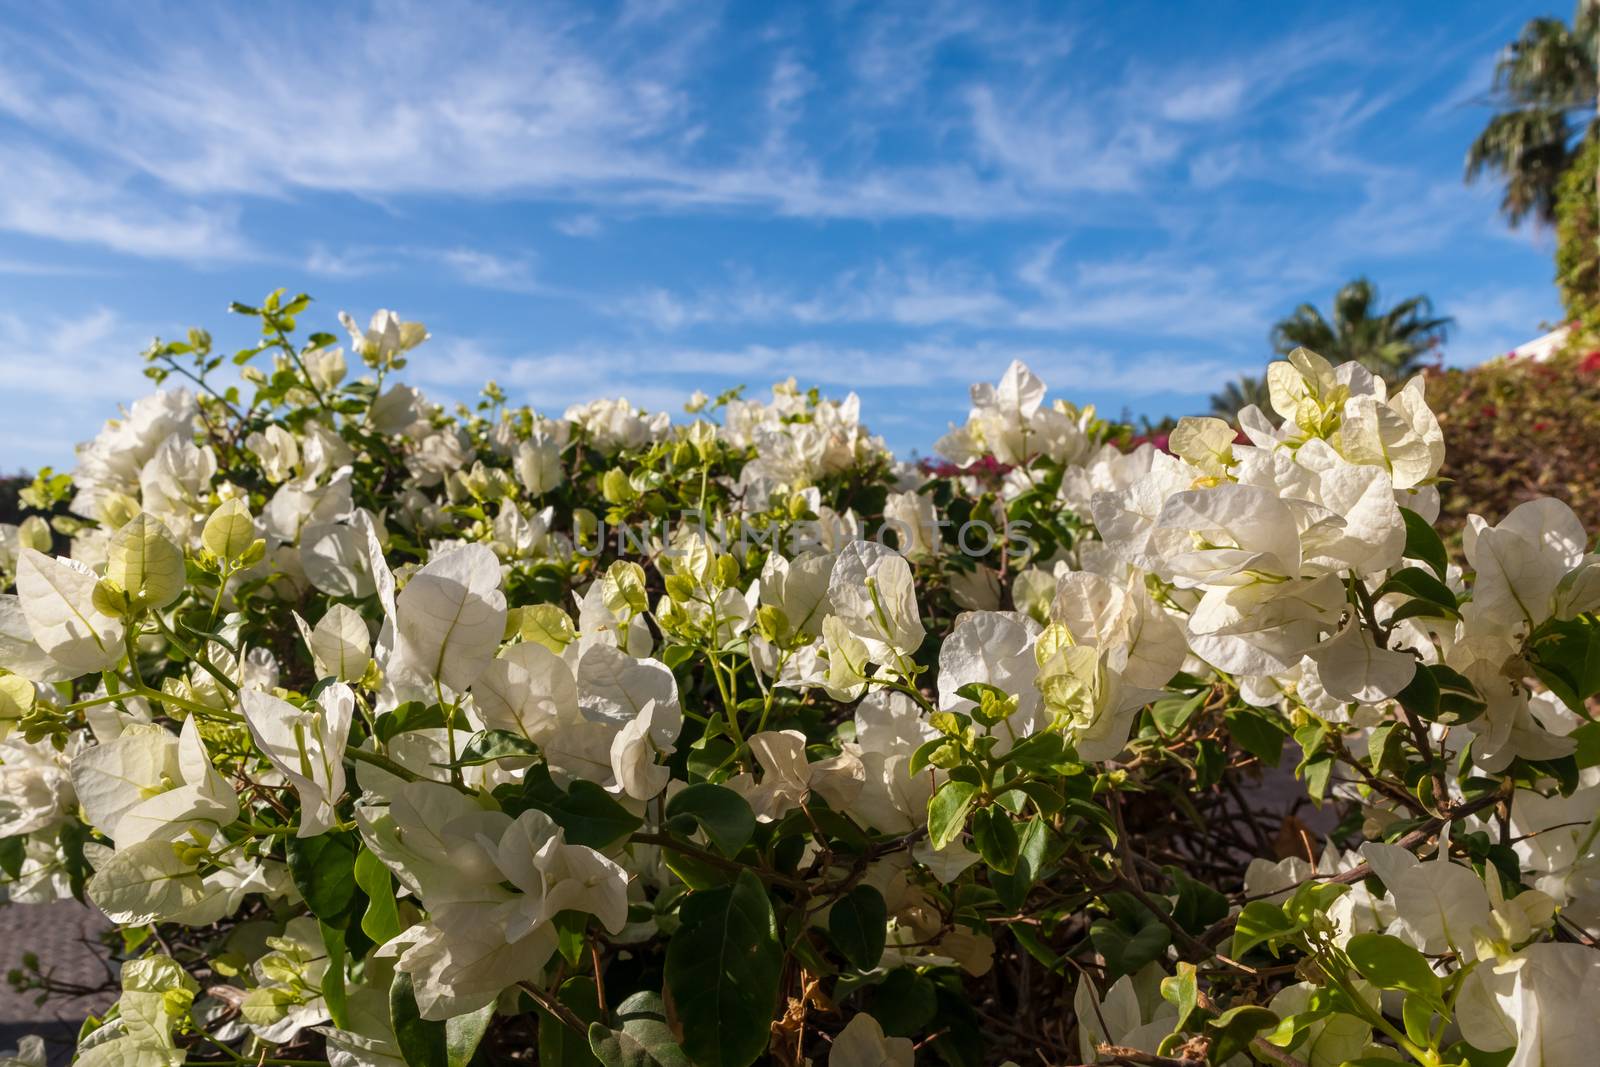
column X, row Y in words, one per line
column 1312, row 900
column 421, row 1041
column 937, row 751
column 995, row 835
column 1423, row 543
column 589, row 815
column 333, row 992
column 1459, row 701
column 905, row 1003
column 947, row 812
column 1419, row 584
column 487, row 746
column 1041, row 752
column 425, row 1043
column 1127, row 949
column 723, row 967
column 1261, row 922
column 1566, row 657
column 1198, row 905
column 382, row 918
column 1035, row 852
column 559, row 1046
column 858, row 923
column 1172, row 714
column 1236, row 1027
column 74, row 835
column 12, row 853
column 1182, row 991
column 1389, row 963
column 323, row 868
column 412, row 715
column 724, row 815
column 1588, row 738
column 644, row 1044
column 1421, row 694
column 1416, row 1014
column 1259, row 734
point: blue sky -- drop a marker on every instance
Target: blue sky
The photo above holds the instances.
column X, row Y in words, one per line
column 648, row 197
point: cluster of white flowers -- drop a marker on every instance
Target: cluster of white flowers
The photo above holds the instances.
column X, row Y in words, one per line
column 337, row 677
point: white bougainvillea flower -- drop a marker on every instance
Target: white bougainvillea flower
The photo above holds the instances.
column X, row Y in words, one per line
column 57, row 599
column 334, row 557
column 1507, row 728
column 915, row 522
column 1086, row 697
column 1226, row 536
column 148, row 785
column 1264, row 628
column 870, row 589
column 634, row 753
column 19, row 652
column 889, row 729
column 277, row 450
column 307, row 747
column 143, row 559
column 1141, row 641
column 385, row 336
column 35, row 783
column 847, row 660
column 156, row 995
column 799, row 588
column 1439, row 903
column 1132, row 1014
column 1351, row 667
column 340, row 644
column 528, row 690
column 1521, row 561
column 1204, row 443
column 450, row 617
column 995, row 648
column 30, row 1052
column 614, row 687
column 1009, row 422
column 492, row 885
column 788, row 776
column 862, row 1044
column 1539, row 1001
column 288, row 996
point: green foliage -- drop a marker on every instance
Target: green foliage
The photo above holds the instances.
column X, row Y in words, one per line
column 1391, row 343
column 1544, row 94
column 722, row 970
column 1577, row 212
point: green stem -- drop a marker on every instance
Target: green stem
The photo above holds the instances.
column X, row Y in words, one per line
column 205, row 662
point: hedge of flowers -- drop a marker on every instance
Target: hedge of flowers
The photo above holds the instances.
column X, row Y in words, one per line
column 389, row 734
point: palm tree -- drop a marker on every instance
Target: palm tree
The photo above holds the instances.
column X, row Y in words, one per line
column 1389, row 343
column 1236, row 396
column 1544, row 87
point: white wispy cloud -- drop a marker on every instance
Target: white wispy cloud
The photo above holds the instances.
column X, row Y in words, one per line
column 61, row 376
column 568, row 104
column 1157, row 295
column 44, row 195
column 490, row 271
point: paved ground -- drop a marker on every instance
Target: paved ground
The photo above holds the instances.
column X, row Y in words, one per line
column 62, row 935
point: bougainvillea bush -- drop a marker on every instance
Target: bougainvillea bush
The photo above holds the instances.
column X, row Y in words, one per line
column 1517, row 429
column 388, row 734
